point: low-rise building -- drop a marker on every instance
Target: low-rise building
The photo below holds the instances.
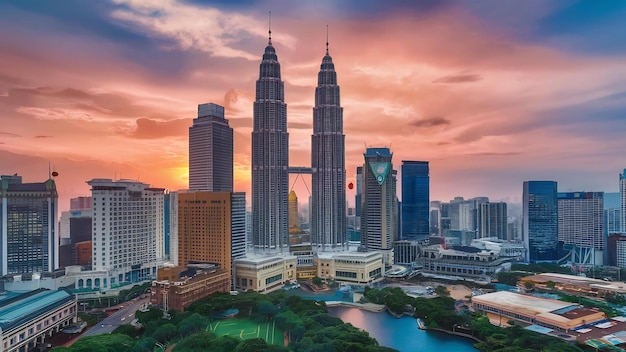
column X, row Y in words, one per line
column 262, row 273
column 575, row 285
column 178, row 287
column 26, row 319
column 464, row 262
column 354, row 267
column 549, row 313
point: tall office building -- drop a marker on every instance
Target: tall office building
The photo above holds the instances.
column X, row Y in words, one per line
column 540, row 220
column 445, row 221
column 622, row 191
column 270, row 159
column 28, row 226
column 75, row 234
column 204, row 228
column 238, row 224
column 415, row 200
column 358, row 198
column 294, row 217
column 210, row 151
column 128, row 230
column 328, row 199
column 612, row 213
column 379, row 212
column 493, row 220
column 581, row 219
column 173, row 228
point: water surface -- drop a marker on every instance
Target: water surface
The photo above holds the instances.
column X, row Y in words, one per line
column 402, row 334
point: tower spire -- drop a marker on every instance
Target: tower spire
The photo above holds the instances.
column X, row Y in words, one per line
column 270, row 28
column 326, row 39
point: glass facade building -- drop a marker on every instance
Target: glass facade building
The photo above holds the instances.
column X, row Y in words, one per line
column 210, row 151
column 28, row 226
column 379, row 213
column 415, row 200
column 540, row 224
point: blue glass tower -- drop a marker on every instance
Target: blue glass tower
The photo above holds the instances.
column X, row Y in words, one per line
column 415, row 200
column 540, row 213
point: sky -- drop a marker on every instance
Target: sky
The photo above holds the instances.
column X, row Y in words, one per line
column 491, row 92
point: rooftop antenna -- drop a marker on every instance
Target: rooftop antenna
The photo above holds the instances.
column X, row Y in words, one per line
column 49, row 171
column 326, row 39
column 270, row 28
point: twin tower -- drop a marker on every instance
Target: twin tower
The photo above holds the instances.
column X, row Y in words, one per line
column 270, row 161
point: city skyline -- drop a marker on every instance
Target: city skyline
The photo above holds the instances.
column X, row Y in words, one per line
column 111, row 88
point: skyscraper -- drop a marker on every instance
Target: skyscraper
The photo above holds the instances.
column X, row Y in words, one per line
column 294, row 216
column 378, row 217
column 28, row 226
column 358, row 197
column 581, row 220
column 540, row 224
column 204, row 228
column 622, row 191
column 210, row 151
column 493, row 220
column 328, row 198
column 415, row 200
column 270, row 158
column 128, row 231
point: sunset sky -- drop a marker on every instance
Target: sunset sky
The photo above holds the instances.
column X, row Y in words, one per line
column 492, row 93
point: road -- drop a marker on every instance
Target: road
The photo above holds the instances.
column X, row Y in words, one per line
column 123, row 316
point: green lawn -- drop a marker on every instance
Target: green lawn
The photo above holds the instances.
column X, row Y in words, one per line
column 247, row 329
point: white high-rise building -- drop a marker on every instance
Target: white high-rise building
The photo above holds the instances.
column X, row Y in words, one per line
column 128, row 231
column 174, row 228
column 581, row 219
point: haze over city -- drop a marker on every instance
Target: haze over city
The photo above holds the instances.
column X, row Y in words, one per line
column 491, row 93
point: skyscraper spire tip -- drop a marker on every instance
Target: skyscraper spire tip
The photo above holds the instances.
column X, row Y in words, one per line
column 326, row 39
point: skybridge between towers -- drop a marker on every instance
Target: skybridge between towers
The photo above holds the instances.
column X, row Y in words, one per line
column 300, row 170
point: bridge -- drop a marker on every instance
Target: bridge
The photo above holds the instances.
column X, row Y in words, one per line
column 300, row 170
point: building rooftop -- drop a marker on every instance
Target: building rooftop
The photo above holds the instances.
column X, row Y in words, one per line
column 530, row 305
column 261, row 259
column 15, row 308
column 347, row 254
column 617, row 286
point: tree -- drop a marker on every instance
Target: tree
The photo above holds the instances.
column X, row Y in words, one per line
column 442, row 291
column 198, row 342
column 153, row 313
column 266, row 309
column 145, row 345
column 165, row 333
column 126, row 329
column 317, row 281
column 192, row 324
column 529, row 285
column 102, row 343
